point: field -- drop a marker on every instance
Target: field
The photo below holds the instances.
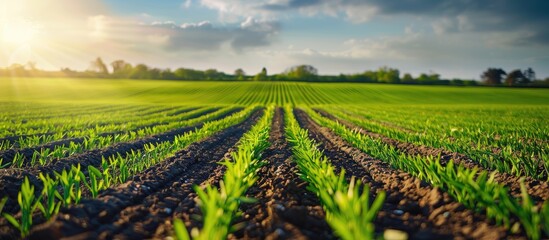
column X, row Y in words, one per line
column 134, row 159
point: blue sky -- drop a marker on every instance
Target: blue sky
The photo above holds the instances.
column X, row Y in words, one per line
column 455, row 38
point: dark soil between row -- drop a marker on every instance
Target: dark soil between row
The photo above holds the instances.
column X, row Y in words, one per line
column 11, row 178
column 284, row 208
column 538, row 190
column 139, row 208
column 411, row 205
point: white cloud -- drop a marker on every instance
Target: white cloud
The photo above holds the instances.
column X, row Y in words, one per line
column 232, row 10
column 187, row 4
column 187, row 37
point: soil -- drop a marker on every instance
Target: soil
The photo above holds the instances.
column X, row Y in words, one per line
column 144, row 206
column 11, row 178
column 284, row 208
column 538, row 190
column 411, row 205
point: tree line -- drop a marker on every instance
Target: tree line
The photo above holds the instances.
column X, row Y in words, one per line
column 123, row 70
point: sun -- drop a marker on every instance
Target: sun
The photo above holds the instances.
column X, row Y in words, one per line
column 19, row 32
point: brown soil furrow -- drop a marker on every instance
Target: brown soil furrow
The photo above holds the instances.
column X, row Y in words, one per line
column 411, row 205
column 137, row 208
column 284, row 208
column 538, row 190
column 11, row 178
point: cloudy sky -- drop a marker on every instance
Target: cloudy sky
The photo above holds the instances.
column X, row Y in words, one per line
column 458, row 38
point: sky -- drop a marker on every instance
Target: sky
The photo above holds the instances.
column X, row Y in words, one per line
column 454, row 38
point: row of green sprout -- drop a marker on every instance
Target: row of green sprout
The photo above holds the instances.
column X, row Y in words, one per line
column 219, row 206
column 93, row 141
column 475, row 189
column 49, row 130
column 114, row 170
column 70, row 122
column 514, row 156
column 347, row 204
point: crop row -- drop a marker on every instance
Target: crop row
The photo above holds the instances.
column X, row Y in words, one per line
column 347, row 205
column 115, row 170
column 39, row 123
column 43, row 156
column 103, row 123
column 219, row 205
column 349, row 208
column 511, row 153
column 473, row 188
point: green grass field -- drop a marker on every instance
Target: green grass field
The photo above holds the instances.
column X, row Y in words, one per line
column 475, row 149
column 245, row 93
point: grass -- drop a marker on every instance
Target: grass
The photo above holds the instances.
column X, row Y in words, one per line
column 492, row 117
column 244, row 93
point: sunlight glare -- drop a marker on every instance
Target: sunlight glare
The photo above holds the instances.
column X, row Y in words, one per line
column 19, row 32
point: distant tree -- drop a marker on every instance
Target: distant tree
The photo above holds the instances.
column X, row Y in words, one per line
column 31, row 66
column 167, row 74
column 457, row 82
column 154, row 73
column 121, row 69
column 514, row 77
column 213, row 74
column 261, row 76
column 17, row 70
column 388, row 75
column 118, row 66
column 140, row 71
column 99, row 66
column 431, row 78
column 68, row 72
column 189, row 74
column 302, row 72
column 239, row 74
column 470, row 83
column 371, row 76
column 407, row 78
column 529, row 76
column 493, row 76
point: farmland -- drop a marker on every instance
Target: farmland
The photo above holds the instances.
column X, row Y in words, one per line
column 133, row 159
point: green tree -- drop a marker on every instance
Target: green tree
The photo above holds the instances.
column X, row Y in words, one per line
column 493, row 76
column 431, row 78
column 140, row 71
column 529, row 76
column 213, row 74
column 261, row 76
column 388, row 75
column 514, row 77
column 371, row 75
column 189, row 74
column 167, row 74
column 239, row 74
column 302, row 72
column 121, row 69
column 407, row 78
column 99, row 66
